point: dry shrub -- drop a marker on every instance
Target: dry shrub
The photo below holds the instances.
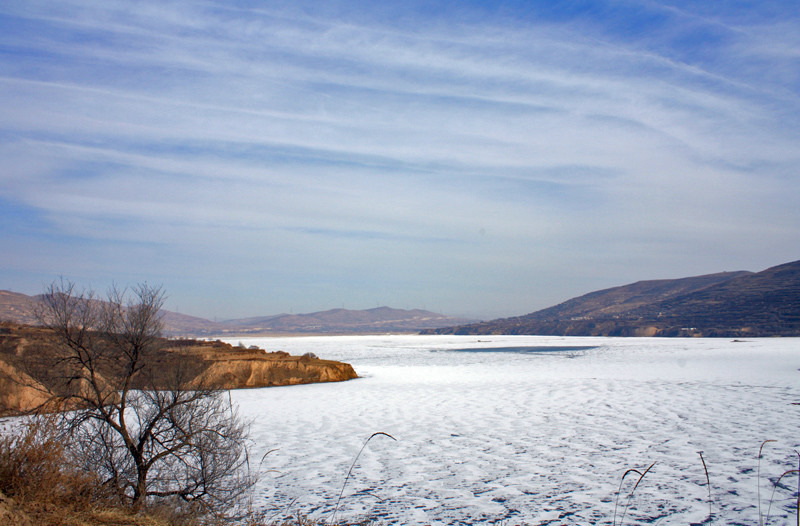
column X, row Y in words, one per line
column 37, row 471
column 35, row 465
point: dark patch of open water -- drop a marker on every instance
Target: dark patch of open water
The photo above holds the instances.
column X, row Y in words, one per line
column 537, row 349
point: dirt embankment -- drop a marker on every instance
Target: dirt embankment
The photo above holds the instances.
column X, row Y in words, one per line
column 191, row 363
column 222, row 366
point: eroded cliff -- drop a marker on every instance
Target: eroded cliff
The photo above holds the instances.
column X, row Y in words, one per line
column 25, row 381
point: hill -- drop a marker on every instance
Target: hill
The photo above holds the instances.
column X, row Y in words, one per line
column 19, row 308
column 213, row 364
column 729, row 304
column 378, row 320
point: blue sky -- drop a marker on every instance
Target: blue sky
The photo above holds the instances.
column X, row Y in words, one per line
column 474, row 158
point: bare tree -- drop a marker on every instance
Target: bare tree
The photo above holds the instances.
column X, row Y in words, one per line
column 136, row 416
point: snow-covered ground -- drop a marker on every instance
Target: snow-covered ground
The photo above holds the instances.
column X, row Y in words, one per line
column 530, row 434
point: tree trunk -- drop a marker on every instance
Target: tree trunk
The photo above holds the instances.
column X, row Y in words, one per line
column 140, row 491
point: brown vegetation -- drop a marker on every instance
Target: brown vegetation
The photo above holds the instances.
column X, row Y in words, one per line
column 41, row 484
column 212, row 363
column 134, row 418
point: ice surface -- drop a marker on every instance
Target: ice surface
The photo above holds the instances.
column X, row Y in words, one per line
column 520, row 436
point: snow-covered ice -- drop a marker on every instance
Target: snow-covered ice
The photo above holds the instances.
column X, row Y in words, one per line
column 539, row 431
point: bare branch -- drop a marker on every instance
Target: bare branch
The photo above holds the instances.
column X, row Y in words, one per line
column 139, row 420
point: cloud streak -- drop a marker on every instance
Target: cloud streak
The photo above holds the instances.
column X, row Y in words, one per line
column 478, row 162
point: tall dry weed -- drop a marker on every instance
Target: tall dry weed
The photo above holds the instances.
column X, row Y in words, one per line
column 37, row 471
column 35, row 465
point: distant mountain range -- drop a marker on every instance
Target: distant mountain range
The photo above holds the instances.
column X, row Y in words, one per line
column 730, row 304
column 19, row 308
column 342, row 321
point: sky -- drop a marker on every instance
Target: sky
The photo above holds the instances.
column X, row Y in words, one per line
column 474, row 158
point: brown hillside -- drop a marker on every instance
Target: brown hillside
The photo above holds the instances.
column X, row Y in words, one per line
column 618, row 301
column 213, row 364
column 16, row 307
column 727, row 304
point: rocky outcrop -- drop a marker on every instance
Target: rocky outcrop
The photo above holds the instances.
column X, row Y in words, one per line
column 188, row 363
column 220, row 365
column 18, row 391
column 248, row 373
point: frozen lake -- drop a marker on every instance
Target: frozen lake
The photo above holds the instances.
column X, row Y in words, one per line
column 532, row 430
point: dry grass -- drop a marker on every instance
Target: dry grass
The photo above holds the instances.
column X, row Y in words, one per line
column 34, row 466
column 46, row 488
column 763, row 518
column 40, row 485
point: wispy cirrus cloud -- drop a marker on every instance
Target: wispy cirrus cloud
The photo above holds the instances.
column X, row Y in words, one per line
column 390, row 151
